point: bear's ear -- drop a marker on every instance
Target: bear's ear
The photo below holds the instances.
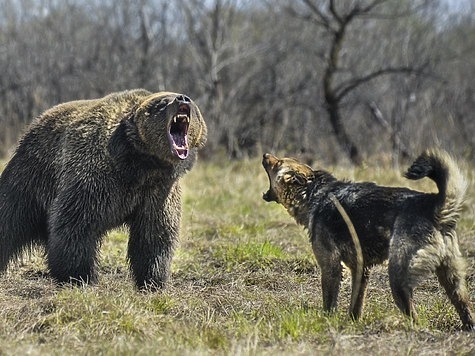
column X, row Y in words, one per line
column 198, row 130
column 133, row 125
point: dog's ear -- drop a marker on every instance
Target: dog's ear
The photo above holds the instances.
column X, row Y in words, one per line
column 295, row 178
column 323, row 177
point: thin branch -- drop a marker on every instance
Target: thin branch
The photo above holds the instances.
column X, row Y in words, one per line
column 321, row 18
column 304, row 17
column 371, row 6
column 355, row 11
column 395, row 15
column 346, row 87
column 395, row 135
column 331, row 7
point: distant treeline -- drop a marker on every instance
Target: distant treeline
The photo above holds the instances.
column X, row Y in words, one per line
column 329, row 79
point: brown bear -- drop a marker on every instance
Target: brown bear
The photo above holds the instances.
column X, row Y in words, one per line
column 85, row 167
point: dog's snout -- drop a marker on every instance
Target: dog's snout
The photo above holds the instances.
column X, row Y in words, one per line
column 266, row 160
column 269, row 159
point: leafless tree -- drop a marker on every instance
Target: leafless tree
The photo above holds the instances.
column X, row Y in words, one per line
column 329, row 79
column 336, row 19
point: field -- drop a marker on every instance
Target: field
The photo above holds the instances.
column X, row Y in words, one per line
column 244, row 281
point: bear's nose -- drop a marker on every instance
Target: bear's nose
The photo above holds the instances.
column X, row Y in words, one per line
column 183, row 99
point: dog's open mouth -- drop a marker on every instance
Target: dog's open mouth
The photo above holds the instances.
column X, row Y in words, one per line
column 270, row 195
column 178, row 131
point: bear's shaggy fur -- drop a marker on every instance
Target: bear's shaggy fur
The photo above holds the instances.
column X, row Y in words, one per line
column 85, row 167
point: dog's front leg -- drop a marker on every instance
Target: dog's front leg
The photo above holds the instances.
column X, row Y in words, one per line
column 331, row 279
column 329, row 260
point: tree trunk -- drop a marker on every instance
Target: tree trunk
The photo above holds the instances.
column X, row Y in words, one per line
column 333, row 102
column 345, row 142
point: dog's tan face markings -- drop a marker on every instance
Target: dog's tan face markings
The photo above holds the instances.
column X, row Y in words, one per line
column 287, row 178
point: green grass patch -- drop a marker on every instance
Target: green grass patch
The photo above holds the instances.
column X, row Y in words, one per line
column 244, row 281
column 249, row 255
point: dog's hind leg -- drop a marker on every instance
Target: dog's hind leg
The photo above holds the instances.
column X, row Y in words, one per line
column 358, row 273
column 399, row 280
column 357, row 301
column 403, row 297
column 451, row 275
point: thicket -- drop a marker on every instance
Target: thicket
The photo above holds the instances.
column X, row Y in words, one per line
column 333, row 80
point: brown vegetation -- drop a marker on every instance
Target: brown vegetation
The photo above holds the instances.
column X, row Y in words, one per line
column 332, row 79
column 244, row 281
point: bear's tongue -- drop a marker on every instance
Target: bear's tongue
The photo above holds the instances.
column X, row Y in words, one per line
column 178, row 136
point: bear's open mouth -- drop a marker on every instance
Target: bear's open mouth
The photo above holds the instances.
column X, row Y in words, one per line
column 178, row 132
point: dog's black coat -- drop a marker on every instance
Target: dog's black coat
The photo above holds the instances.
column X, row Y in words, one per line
column 415, row 231
column 373, row 210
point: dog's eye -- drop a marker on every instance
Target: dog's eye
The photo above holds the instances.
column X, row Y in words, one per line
column 294, row 178
column 288, row 177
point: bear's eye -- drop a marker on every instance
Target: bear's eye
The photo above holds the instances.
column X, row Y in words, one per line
column 161, row 105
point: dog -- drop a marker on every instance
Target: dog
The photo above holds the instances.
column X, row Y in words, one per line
column 414, row 230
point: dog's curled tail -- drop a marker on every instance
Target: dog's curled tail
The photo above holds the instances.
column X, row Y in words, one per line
column 439, row 166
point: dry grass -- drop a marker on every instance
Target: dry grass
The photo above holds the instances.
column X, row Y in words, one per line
column 244, row 282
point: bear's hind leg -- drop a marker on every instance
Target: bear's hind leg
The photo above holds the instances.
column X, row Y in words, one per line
column 72, row 258
column 22, row 224
column 74, row 240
